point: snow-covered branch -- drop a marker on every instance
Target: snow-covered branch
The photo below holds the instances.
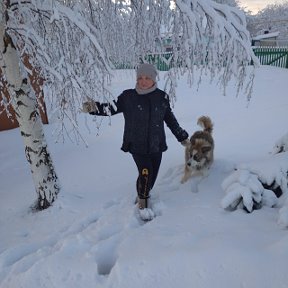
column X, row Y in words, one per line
column 257, row 184
column 216, row 36
column 74, row 44
column 67, row 51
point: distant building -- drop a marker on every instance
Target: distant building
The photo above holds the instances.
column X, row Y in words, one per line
column 259, row 25
column 266, row 39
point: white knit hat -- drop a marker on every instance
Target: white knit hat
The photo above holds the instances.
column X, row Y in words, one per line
column 147, row 70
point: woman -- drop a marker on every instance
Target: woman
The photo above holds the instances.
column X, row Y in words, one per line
column 145, row 110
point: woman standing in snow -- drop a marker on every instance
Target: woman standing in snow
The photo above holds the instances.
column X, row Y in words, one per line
column 145, row 110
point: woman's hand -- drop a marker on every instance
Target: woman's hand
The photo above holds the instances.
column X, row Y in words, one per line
column 89, row 106
column 186, row 142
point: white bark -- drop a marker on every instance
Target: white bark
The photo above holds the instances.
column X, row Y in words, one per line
column 25, row 105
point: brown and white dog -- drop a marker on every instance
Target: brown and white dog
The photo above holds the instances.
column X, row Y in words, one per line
column 199, row 152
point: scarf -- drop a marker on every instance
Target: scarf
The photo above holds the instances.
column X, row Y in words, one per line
column 146, row 91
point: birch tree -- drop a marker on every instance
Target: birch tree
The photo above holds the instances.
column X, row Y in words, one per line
column 75, row 44
column 25, row 105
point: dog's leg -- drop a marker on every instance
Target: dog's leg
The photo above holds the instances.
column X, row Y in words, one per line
column 194, row 185
column 186, row 176
column 196, row 180
column 184, row 179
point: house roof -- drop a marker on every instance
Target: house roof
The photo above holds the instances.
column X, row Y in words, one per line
column 266, row 36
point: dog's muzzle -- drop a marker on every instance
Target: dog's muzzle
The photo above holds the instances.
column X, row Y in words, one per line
column 197, row 158
column 193, row 163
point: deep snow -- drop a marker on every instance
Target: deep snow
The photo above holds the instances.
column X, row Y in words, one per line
column 92, row 236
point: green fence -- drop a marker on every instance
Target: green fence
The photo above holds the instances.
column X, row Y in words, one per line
column 163, row 61
column 275, row 56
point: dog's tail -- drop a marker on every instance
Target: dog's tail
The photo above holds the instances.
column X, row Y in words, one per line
column 206, row 123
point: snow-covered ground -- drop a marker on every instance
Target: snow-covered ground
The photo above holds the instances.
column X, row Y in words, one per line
column 92, row 236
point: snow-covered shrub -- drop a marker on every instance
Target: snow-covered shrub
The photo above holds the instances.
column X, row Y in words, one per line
column 244, row 190
column 281, row 145
column 257, row 184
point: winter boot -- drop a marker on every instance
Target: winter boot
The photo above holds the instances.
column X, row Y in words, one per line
column 146, row 213
column 142, row 203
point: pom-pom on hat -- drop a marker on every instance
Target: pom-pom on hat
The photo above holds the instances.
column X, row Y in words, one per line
column 147, row 70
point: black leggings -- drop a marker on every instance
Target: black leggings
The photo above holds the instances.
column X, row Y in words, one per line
column 148, row 167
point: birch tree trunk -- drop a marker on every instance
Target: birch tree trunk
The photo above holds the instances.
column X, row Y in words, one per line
column 25, row 104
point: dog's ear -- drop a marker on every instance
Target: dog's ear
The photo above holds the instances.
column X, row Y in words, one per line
column 205, row 149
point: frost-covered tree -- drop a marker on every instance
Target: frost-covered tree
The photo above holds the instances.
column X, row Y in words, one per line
column 64, row 46
column 234, row 3
column 219, row 40
column 203, row 34
column 24, row 102
column 75, row 44
column 272, row 18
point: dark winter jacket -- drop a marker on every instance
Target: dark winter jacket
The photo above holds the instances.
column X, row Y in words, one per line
column 144, row 120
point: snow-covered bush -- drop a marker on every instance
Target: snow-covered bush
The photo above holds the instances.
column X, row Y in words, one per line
column 262, row 183
column 257, row 184
column 281, row 145
column 244, row 190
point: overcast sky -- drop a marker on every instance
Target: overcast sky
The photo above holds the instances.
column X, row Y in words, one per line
column 256, row 5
